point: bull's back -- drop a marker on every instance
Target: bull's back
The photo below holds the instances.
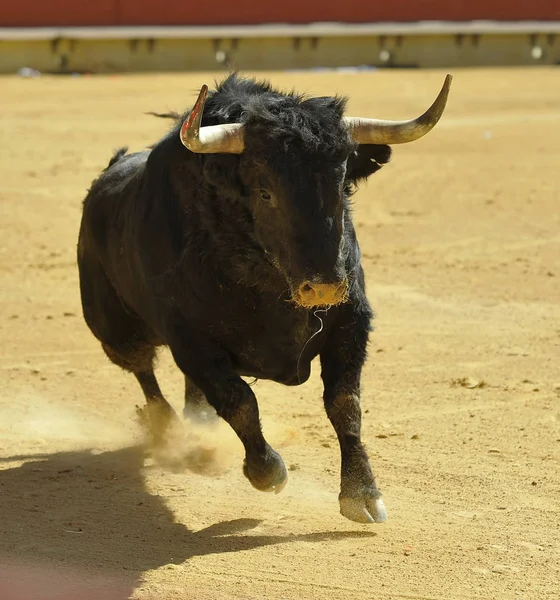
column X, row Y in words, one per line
column 108, row 214
column 105, row 204
column 125, row 233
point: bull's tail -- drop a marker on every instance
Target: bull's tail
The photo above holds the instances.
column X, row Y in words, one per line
column 168, row 115
column 175, row 116
column 117, row 156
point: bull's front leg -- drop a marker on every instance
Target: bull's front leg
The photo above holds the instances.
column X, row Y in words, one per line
column 341, row 365
column 209, row 367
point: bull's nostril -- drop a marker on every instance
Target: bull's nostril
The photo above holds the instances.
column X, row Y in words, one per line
column 321, row 294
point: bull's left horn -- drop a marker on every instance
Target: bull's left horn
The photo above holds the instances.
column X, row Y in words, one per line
column 214, row 139
column 374, row 131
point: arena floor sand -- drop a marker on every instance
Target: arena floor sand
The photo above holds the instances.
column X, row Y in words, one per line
column 461, row 244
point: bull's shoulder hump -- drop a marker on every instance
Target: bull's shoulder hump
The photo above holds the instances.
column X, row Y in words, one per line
column 121, row 173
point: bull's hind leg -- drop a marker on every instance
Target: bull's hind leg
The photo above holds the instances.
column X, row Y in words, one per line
column 341, row 363
column 137, row 357
column 125, row 339
column 196, row 407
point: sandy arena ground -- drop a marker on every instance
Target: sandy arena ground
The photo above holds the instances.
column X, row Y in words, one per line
column 461, row 243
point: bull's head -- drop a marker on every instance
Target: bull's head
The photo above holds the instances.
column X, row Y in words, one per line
column 297, row 160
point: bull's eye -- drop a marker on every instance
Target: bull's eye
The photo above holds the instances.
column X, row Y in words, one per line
column 265, row 196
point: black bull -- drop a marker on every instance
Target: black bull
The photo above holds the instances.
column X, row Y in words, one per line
column 231, row 241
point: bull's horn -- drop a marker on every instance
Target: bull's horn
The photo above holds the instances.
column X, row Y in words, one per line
column 374, row 131
column 214, row 139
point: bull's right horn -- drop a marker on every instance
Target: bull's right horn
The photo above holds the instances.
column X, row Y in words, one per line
column 213, row 139
column 374, row 131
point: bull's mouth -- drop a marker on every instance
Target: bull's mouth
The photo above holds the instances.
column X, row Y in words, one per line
column 312, row 295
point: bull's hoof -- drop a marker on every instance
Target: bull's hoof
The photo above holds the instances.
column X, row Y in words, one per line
column 365, row 507
column 268, row 474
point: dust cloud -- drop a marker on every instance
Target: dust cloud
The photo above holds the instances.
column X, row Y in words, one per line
column 203, row 448
column 40, row 424
column 34, row 420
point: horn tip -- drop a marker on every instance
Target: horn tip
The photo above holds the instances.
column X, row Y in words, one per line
column 203, row 93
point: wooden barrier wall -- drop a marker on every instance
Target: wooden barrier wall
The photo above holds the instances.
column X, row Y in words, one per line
column 37, row 13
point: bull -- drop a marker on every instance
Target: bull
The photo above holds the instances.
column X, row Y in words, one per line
column 231, row 242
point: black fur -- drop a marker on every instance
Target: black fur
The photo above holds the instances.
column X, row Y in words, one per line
column 206, row 253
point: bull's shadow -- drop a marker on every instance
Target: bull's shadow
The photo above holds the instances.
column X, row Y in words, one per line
column 81, row 510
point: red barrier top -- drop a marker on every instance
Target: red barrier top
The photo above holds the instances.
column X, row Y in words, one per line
column 35, row 13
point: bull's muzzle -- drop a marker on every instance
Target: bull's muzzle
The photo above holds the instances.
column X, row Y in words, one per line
column 311, row 294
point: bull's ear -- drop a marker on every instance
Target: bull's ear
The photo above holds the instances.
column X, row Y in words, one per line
column 367, row 159
column 222, row 171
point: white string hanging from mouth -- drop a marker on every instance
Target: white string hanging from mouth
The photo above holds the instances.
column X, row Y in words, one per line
column 321, row 327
